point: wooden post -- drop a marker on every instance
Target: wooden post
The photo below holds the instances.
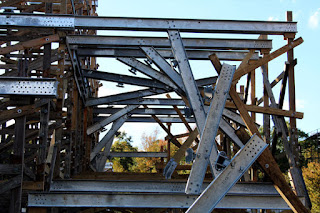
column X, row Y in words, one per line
column 266, row 117
column 296, row 173
column 18, row 158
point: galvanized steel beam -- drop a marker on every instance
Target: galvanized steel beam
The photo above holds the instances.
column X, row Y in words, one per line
column 147, row 24
column 124, row 96
column 44, row 87
column 207, row 149
column 95, row 127
column 219, row 187
column 161, row 42
column 149, row 201
column 107, row 140
column 124, row 79
column 244, row 188
column 167, row 54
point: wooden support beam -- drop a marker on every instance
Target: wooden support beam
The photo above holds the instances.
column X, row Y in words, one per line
column 250, row 67
column 10, row 184
column 29, row 44
column 268, row 110
column 172, row 138
column 266, row 159
column 18, row 158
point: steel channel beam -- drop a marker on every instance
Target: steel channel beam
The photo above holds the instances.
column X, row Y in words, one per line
column 164, row 66
column 220, row 186
column 107, row 140
column 167, row 54
column 207, row 149
column 145, row 119
column 148, row 71
column 125, row 79
column 161, row 42
column 149, row 201
column 187, row 79
column 140, row 111
column 124, row 96
column 230, row 132
column 244, row 188
column 147, row 24
column 148, row 101
column 138, row 154
column 44, row 87
column 95, row 127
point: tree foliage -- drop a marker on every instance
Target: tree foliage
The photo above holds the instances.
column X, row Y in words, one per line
column 150, row 143
column 123, row 144
column 311, row 175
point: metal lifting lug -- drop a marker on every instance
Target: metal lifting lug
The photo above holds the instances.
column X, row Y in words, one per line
column 120, row 85
column 188, row 112
column 190, row 155
column 133, row 71
column 174, row 63
column 148, row 62
column 222, row 161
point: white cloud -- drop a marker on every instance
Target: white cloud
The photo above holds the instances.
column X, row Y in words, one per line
column 271, row 18
column 314, row 19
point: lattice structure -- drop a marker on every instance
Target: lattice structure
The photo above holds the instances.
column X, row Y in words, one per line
column 51, row 115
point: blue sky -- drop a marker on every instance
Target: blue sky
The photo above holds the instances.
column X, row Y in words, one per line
column 306, row 13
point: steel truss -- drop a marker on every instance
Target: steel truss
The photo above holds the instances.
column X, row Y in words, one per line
column 52, row 95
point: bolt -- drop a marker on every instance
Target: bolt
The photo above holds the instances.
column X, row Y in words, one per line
column 267, row 166
column 19, row 111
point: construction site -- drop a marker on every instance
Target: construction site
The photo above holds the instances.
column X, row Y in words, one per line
column 57, row 128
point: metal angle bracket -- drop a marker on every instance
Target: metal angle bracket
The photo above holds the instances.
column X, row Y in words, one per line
column 218, row 188
column 28, row 86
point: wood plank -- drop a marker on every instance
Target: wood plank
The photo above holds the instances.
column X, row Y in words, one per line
column 29, row 44
column 172, row 139
column 268, row 110
column 250, row 67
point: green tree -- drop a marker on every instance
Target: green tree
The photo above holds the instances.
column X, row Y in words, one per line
column 123, row 144
column 311, row 175
column 150, row 143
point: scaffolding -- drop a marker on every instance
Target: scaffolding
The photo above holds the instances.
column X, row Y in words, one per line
column 52, row 155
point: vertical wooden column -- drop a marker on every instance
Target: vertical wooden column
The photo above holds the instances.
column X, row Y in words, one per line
column 59, row 103
column 47, row 47
column 43, row 140
column 253, row 92
column 292, row 96
column 295, row 172
column 18, row 158
column 266, row 117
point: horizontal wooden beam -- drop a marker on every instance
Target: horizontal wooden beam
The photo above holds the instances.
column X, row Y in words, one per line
column 29, row 44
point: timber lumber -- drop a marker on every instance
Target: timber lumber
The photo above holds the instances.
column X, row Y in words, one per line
column 250, row 67
column 268, row 110
column 29, row 44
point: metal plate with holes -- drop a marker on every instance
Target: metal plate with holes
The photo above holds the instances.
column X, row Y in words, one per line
column 218, row 188
column 149, row 200
column 28, row 86
column 37, row 21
